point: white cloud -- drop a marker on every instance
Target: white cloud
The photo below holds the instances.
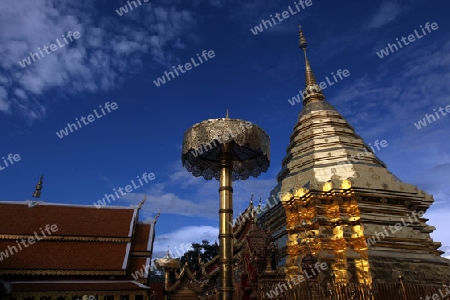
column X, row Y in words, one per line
column 178, row 239
column 435, row 181
column 196, row 194
column 387, row 109
column 4, row 102
column 388, row 12
column 107, row 51
column 439, row 219
column 173, row 204
column 418, row 85
column 21, row 94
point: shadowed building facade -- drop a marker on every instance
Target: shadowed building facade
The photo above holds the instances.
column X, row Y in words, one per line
column 333, row 194
column 93, row 254
column 255, row 259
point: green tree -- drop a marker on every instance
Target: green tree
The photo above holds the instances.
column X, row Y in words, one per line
column 206, row 252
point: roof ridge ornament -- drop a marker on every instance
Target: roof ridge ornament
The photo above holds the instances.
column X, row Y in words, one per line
column 36, row 194
column 37, row 191
column 157, row 216
column 32, row 203
column 258, row 210
column 143, row 201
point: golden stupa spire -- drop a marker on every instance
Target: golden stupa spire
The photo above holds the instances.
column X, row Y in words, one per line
column 37, row 191
column 312, row 90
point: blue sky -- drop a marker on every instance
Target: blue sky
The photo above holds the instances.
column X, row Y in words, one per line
column 117, row 58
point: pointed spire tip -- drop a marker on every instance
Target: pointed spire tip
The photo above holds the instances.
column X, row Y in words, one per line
column 312, row 91
column 302, row 40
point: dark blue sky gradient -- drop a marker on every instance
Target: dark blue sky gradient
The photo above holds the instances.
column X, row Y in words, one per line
column 117, row 58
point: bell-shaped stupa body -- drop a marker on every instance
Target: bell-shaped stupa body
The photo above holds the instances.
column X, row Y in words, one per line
column 337, row 200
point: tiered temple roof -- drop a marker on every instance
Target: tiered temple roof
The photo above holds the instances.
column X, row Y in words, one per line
column 93, row 250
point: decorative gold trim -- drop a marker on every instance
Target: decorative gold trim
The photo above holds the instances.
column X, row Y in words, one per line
column 181, row 280
column 65, row 238
column 71, row 294
column 60, row 272
column 141, row 254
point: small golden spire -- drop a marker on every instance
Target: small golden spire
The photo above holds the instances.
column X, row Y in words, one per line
column 37, row 191
column 312, row 90
column 258, row 210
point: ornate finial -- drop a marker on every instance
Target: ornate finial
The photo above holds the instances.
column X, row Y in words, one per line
column 258, row 210
column 157, row 216
column 142, row 202
column 37, row 192
column 251, row 208
column 312, row 90
column 301, row 38
column 226, row 116
column 168, row 251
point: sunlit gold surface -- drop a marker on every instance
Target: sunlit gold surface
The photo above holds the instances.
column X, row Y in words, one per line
column 312, row 91
column 334, row 181
column 232, row 149
column 225, row 221
column 167, row 264
column 250, row 151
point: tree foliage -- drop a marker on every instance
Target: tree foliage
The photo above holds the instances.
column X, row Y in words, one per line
column 206, row 252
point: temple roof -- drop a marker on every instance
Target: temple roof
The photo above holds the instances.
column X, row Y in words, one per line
column 87, row 241
column 72, row 220
column 143, row 237
column 70, row 257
